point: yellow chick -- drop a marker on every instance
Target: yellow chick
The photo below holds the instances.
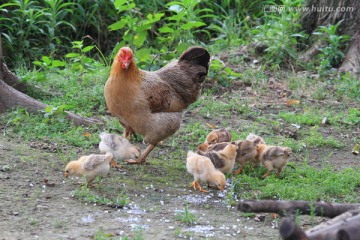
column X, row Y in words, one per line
column 204, row 171
column 89, row 166
column 246, row 152
column 222, row 155
column 119, row 146
column 255, row 138
column 273, row 157
column 218, row 136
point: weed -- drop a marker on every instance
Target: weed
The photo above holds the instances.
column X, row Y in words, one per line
column 230, row 197
column 58, row 223
column 247, row 215
column 81, row 62
column 221, row 74
column 102, row 235
column 186, row 216
column 331, row 54
column 85, row 195
column 33, row 222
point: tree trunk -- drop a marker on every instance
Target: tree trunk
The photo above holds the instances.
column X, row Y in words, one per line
column 326, row 12
column 291, row 207
column 12, row 97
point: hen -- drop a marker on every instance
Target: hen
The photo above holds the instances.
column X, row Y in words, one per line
column 151, row 103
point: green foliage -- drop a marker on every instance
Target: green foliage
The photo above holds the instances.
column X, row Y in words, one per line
column 331, row 53
column 133, row 25
column 31, row 29
column 280, row 35
column 79, row 61
column 186, row 20
column 220, row 73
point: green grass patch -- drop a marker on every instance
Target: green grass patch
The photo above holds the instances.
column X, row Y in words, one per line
column 84, row 194
column 301, row 182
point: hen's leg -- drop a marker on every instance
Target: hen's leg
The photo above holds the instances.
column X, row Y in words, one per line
column 128, row 132
column 143, row 156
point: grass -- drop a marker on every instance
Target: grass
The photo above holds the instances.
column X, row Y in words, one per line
column 244, row 114
column 84, row 194
column 298, row 182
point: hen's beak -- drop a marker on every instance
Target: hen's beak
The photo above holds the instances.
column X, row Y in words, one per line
column 126, row 65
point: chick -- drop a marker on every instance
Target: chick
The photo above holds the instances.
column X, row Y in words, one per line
column 203, row 147
column 273, row 157
column 246, row 152
column 203, row 170
column 218, row 136
column 119, row 146
column 222, row 155
column 89, row 166
column 255, row 138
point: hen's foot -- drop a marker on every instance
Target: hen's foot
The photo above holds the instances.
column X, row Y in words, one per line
column 136, row 161
column 115, row 165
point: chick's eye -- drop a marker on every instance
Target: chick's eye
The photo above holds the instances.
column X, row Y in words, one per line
column 67, row 171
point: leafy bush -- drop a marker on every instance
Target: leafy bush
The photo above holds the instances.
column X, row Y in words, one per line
column 280, row 35
column 331, row 53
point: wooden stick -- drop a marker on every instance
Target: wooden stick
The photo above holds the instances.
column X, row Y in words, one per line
column 290, row 207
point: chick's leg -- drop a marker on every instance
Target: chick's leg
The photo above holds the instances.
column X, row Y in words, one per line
column 143, row 156
column 194, row 185
column 197, row 186
column 242, row 165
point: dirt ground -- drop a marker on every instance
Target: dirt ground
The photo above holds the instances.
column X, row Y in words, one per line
column 33, row 208
column 37, row 203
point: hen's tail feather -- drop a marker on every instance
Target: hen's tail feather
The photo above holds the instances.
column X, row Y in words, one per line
column 197, row 55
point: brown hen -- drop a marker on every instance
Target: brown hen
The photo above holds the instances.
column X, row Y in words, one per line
column 151, row 103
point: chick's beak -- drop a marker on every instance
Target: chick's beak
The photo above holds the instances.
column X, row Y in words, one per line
column 66, row 175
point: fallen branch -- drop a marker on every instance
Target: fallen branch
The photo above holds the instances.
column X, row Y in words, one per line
column 290, row 207
column 344, row 226
column 290, row 231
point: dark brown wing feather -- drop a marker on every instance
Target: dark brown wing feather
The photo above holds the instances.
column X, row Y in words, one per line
column 178, row 84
